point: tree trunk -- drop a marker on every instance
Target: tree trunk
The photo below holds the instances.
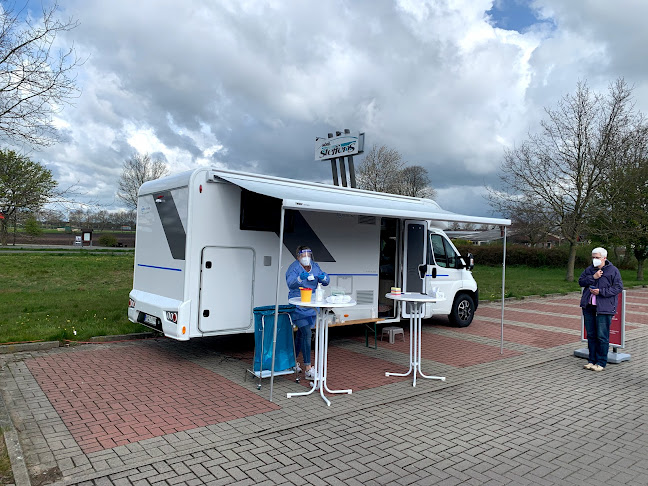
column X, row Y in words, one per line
column 4, row 231
column 570, row 262
column 640, row 269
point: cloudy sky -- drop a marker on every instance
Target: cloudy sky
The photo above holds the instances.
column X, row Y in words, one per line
column 249, row 84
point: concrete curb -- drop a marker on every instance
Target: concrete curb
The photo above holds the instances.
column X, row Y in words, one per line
column 124, row 337
column 16, row 456
column 16, row 348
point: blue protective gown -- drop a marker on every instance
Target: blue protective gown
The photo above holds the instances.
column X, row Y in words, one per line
column 303, row 316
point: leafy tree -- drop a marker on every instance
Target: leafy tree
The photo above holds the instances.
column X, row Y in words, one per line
column 136, row 171
column 36, row 78
column 622, row 218
column 32, row 227
column 24, row 185
column 563, row 167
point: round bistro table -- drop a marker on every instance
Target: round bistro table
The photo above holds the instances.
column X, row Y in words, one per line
column 416, row 302
column 321, row 345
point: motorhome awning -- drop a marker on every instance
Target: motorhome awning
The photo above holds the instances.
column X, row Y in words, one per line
column 309, row 196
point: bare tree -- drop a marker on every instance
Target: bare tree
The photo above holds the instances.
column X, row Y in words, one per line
column 530, row 220
column 383, row 170
column 414, row 181
column 138, row 170
column 379, row 170
column 564, row 166
column 36, row 79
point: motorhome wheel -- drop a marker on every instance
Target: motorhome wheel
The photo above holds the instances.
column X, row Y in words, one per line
column 463, row 310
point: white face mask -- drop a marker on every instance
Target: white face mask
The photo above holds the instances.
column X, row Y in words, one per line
column 306, row 261
column 596, row 262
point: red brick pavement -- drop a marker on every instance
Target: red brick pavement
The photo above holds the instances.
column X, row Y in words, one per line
column 447, row 350
column 348, row 369
column 517, row 334
column 112, row 397
column 555, row 306
column 566, row 322
column 636, row 314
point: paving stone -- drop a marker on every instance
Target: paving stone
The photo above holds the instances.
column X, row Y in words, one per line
column 519, row 418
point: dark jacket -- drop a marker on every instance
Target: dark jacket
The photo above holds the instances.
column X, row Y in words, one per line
column 610, row 285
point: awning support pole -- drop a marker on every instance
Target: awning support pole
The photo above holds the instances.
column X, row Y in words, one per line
column 503, row 282
column 276, row 313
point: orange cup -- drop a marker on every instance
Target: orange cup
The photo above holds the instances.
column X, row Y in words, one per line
column 306, row 294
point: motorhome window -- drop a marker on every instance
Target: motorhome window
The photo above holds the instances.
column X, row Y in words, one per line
column 259, row 212
column 451, row 254
column 438, row 251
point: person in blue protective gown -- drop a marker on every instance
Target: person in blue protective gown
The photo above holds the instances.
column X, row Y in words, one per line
column 304, row 272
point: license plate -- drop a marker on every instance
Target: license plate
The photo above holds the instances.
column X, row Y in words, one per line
column 149, row 319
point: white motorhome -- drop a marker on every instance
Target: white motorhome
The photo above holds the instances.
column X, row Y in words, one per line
column 207, row 250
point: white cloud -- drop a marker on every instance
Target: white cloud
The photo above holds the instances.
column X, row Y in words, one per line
column 248, row 85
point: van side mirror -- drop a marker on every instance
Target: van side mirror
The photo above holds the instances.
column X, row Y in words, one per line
column 471, row 261
column 422, row 268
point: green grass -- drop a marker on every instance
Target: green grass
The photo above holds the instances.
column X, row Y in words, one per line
column 6, row 474
column 51, row 296
column 94, row 249
column 523, row 281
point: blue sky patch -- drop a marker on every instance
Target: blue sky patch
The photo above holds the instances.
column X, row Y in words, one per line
column 513, row 15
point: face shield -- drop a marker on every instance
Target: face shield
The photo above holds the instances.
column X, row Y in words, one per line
column 305, row 257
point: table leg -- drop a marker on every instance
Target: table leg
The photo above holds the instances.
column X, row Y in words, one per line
column 315, row 384
column 419, row 358
column 325, row 385
column 411, row 356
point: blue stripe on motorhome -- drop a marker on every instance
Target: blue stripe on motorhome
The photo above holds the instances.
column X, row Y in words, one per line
column 301, row 233
column 171, row 224
column 353, row 274
column 160, row 268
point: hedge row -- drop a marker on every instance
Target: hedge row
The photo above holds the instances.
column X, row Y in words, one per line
column 525, row 255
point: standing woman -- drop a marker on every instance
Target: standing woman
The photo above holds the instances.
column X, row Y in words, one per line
column 602, row 282
column 304, row 272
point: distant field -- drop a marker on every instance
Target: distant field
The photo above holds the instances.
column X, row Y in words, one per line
column 49, row 296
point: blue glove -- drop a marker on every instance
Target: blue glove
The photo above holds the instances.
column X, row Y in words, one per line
column 322, row 277
column 303, row 276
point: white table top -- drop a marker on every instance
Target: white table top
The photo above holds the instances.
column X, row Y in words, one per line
column 413, row 297
column 320, row 303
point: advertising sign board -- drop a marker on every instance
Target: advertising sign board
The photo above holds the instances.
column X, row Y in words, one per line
column 340, row 146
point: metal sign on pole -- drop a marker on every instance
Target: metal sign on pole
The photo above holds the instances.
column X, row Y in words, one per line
column 617, row 334
column 343, row 145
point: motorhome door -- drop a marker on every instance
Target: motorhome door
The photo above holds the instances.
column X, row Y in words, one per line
column 227, row 282
column 415, row 251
